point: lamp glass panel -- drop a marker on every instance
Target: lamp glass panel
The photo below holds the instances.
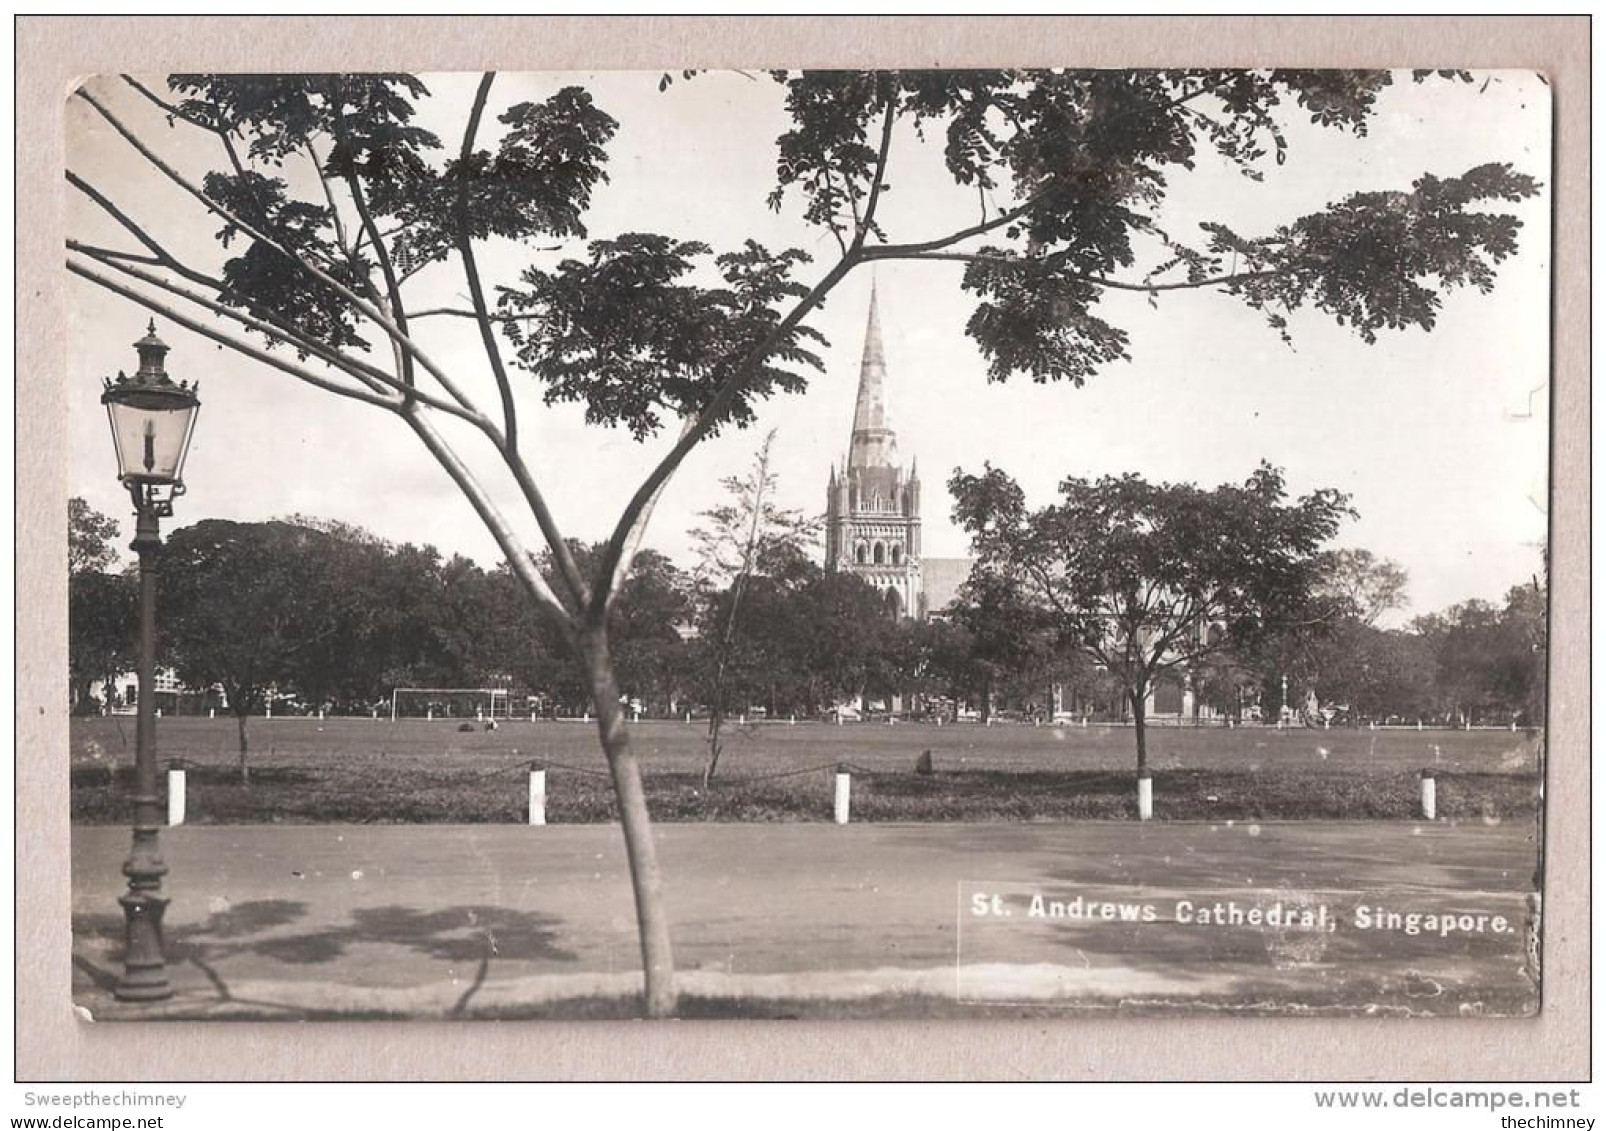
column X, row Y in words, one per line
column 151, row 441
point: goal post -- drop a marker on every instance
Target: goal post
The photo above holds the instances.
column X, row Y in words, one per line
column 478, row 703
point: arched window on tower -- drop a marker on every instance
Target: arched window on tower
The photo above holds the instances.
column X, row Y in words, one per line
column 880, row 554
column 896, row 554
column 893, row 602
column 861, row 553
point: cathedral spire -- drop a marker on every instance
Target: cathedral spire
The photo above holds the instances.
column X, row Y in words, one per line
column 874, row 444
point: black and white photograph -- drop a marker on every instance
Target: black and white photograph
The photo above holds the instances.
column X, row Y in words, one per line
column 850, row 545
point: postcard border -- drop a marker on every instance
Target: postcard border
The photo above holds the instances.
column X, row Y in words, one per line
column 54, row 1045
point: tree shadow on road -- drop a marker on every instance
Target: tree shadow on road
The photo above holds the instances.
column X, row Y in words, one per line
column 457, row 935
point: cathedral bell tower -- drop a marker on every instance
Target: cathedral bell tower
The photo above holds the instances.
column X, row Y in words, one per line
column 872, row 508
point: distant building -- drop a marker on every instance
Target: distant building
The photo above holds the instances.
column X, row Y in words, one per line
column 872, row 504
column 172, row 696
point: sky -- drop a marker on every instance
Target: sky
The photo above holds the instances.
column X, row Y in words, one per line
column 1440, row 438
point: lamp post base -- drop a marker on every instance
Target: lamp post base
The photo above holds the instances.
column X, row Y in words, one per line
column 144, row 967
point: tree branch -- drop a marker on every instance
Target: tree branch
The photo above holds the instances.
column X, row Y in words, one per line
column 913, row 250
column 370, row 375
column 1096, row 280
column 615, row 569
column 887, row 119
column 139, row 233
column 217, row 129
column 632, row 523
column 518, row 559
column 171, row 109
column 382, row 253
column 398, row 336
column 831, row 220
column 346, row 248
column 231, row 343
column 443, row 311
column 108, row 255
column 465, row 247
column 508, row 444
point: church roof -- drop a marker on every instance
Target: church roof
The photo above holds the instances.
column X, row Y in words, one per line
column 874, row 444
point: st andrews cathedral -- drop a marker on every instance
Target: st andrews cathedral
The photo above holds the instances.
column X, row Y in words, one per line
column 872, row 506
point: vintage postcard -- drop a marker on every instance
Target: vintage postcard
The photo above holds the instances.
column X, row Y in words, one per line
column 808, row 544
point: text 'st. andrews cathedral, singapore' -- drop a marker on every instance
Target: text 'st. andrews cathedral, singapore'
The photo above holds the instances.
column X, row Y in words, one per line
column 872, row 507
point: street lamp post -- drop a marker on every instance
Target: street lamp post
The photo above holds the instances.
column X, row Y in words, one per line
column 151, row 417
column 1282, row 714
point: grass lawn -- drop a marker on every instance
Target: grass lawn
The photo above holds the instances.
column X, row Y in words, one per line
column 357, row 770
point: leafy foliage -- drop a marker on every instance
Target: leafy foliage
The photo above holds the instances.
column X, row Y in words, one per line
column 1073, row 166
column 250, row 605
column 102, row 612
column 539, row 181
column 1148, row 578
column 101, row 606
column 1490, row 661
column 626, row 333
column 89, row 538
column 1362, row 585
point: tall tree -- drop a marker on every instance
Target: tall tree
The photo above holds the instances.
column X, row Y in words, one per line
column 332, row 201
column 1147, row 578
column 1335, row 655
column 655, row 604
column 737, row 535
column 101, row 605
column 251, row 607
column 1526, row 619
column 1489, row 661
column 1010, row 633
column 1363, row 585
column 90, row 537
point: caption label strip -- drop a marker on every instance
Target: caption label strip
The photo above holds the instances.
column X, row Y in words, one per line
column 1411, row 950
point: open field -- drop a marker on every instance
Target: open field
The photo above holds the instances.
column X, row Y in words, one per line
column 357, row 770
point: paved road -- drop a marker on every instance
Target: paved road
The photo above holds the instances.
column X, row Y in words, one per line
column 437, row 920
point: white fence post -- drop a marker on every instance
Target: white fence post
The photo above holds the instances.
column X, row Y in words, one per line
column 1430, row 796
column 844, row 790
column 1145, row 797
column 537, row 796
column 175, row 797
